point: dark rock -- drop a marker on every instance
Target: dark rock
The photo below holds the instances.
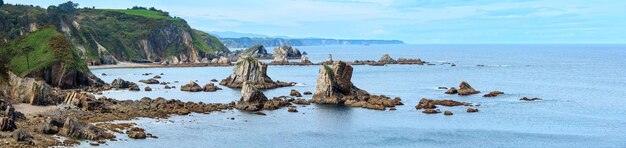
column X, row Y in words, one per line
column 23, row 136
column 210, row 87
column 120, row 83
column 167, row 87
column 452, row 90
column 136, row 133
column 260, row 113
column 431, row 111
column 251, row 98
column 447, row 113
column 133, row 87
column 76, row 129
column 442, row 87
column 150, row 81
column 493, row 94
column 301, row 101
column 307, row 93
column 213, row 80
column 430, row 104
column 292, row 109
column 148, row 88
column 295, row 93
column 528, row 99
column 472, row 110
column 157, row 77
column 191, row 87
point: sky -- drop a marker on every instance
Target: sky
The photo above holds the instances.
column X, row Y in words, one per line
column 412, row 21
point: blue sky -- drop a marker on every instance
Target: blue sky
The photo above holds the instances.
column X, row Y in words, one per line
column 413, row 21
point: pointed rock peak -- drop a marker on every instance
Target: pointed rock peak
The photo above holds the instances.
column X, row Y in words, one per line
column 252, row 70
column 386, row 59
column 251, row 98
column 466, row 89
column 333, row 83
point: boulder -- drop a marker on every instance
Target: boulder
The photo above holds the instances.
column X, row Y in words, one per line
column 223, row 61
column 447, row 113
column 493, row 94
column 335, row 83
column 156, row 77
column 213, row 80
column 120, row 83
column 210, row 87
column 136, row 133
column 301, row 101
column 307, row 93
column 251, row 98
column 465, row 89
column 248, row 69
column 386, row 59
column 452, row 90
column 147, row 88
column 167, row 87
column 133, row 87
column 472, row 110
column 22, row 136
column 7, row 124
column 191, row 87
column 72, row 127
column 431, row 111
column 292, row 109
column 295, row 93
column 150, row 81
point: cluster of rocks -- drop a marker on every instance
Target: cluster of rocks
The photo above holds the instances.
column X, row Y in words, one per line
column 248, row 69
column 429, row 106
column 334, row 86
column 386, row 59
column 194, row 87
column 464, row 90
column 253, row 99
column 282, row 54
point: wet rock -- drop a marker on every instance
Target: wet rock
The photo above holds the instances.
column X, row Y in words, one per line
column 442, row 87
column 249, row 69
column 147, row 88
column 529, row 99
column 251, row 98
column 136, row 133
column 156, row 77
column 493, row 94
column 191, row 87
column 465, row 89
column 447, row 113
column 452, row 90
column 213, row 80
column 295, row 93
column 386, row 59
column 120, row 83
column 167, row 87
column 210, row 87
column 292, row 109
column 133, row 87
column 150, row 81
column 392, row 108
column 431, row 111
column 472, row 110
column 307, row 93
column 260, row 113
column 301, row 101
column 430, row 104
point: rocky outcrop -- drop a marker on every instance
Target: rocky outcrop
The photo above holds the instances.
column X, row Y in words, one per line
column 530, row 99
column 452, row 90
column 7, row 115
column 120, row 83
column 133, row 87
column 448, row 113
column 28, row 90
column 430, row 104
column 83, row 100
column 472, row 110
column 386, row 59
column 66, row 77
column 210, row 87
column 373, row 102
column 301, row 101
column 251, row 98
column 136, row 133
column 305, row 60
column 249, row 69
column 334, row 83
column 292, row 109
column 287, row 52
column 191, row 87
column 410, row 61
column 493, row 94
column 465, row 89
column 257, row 51
column 150, row 81
column 72, row 127
column 295, row 93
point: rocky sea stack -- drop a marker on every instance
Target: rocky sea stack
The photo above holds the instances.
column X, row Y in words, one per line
column 248, row 69
column 251, row 98
column 334, row 83
column 465, row 89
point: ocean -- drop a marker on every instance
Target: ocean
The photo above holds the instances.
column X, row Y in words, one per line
column 584, row 102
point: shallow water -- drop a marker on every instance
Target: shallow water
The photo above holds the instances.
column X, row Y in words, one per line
column 582, row 88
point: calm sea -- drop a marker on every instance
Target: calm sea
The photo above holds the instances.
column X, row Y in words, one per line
column 582, row 86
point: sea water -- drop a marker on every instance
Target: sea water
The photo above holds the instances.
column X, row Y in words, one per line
column 582, row 87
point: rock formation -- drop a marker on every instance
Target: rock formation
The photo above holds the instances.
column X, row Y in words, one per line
column 410, row 61
column 253, row 71
column 530, row 99
column 305, row 60
column 465, row 89
column 150, row 81
column 493, row 94
column 430, row 104
column 257, row 51
column 28, row 90
column 386, row 59
column 333, row 84
column 210, row 87
column 251, row 98
column 452, row 90
column 373, row 102
column 295, row 93
column 191, row 87
column 287, row 52
column 120, row 83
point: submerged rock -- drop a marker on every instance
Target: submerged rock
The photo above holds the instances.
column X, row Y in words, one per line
column 301, row 101
column 465, row 89
column 147, row 88
column 210, row 87
column 251, row 98
column 307, row 93
column 529, row 99
column 431, row 111
column 493, row 94
column 430, row 104
column 150, row 81
column 472, row 110
column 452, row 90
column 447, row 113
column 249, row 69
